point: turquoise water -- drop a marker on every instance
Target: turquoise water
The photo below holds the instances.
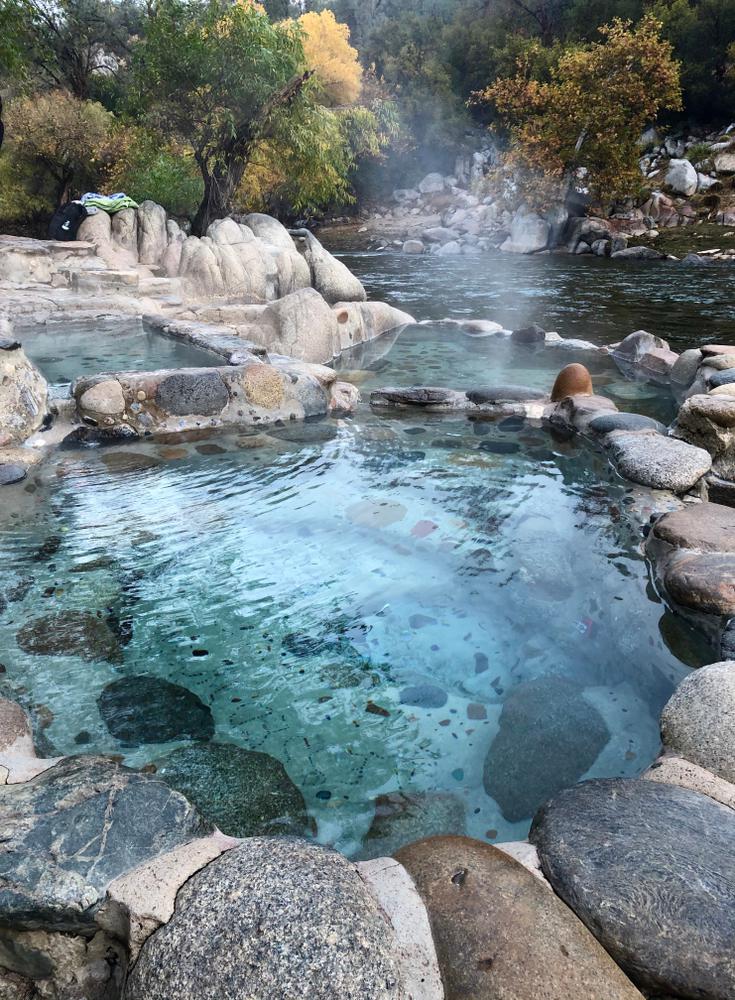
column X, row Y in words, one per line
column 66, row 352
column 304, row 582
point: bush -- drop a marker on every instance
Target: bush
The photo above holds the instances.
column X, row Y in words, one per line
column 145, row 168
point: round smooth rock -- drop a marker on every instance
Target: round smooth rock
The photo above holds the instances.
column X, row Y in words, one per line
column 650, row 868
column 572, row 380
column 244, row 792
column 698, row 721
column 424, row 696
column 104, row 397
column 142, row 709
column 272, row 918
column 726, row 377
column 549, row 737
column 500, row 933
column 532, row 334
column 11, row 473
column 608, row 422
column 708, row 527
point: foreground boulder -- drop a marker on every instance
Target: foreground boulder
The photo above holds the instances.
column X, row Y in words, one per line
column 23, row 394
column 663, row 463
column 650, row 868
column 499, row 931
column 272, row 918
column 698, row 721
column 549, row 737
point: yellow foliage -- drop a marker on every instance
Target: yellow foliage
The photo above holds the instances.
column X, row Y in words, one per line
column 328, row 52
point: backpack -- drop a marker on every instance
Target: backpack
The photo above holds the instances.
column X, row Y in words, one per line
column 66, row 221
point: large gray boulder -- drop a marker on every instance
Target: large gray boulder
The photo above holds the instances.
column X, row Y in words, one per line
column 74, row 828
column 359, row 322
column 96, row 229
column 500, row 934
column 529, row 233
column 152, row 235
column 663, row 463
column 125, row 229
column 273, row 918
column 269, row 230
column 329, row 276
column 650, row 869
column 23, row 394
column 682, row 177
column 300, row 325
column 698, row 721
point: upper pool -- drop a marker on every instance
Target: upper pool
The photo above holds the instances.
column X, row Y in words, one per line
column 456, row 611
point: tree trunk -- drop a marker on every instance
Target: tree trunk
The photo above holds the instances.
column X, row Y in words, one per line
column 220, row 186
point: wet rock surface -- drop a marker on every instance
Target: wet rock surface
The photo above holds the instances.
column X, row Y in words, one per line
column 71, row 633
column 11, row 473
column 245, row 793
column 707, row 527
column 698, row 721
column 72, row 829
column 192, row 392
column 650, row 869
column 549, row 737
column 402, row 817
column 272, row 918
column 499, row 931
column 142, row 709
column 608, row 422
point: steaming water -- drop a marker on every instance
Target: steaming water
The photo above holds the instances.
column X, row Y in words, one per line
column 321, row 574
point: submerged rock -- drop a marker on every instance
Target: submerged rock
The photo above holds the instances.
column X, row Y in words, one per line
column 402, row 817
column 650, row 868
column 71, row 633
column 247, row 794
column 424, row 696
column 272, row 918
column 143, row 709
column 76, row 826
column 549, row 737
column 499, row 931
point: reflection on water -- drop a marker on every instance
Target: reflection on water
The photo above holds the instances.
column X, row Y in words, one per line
column 594, row 299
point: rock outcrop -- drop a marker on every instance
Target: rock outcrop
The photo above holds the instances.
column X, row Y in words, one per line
column 23, row 394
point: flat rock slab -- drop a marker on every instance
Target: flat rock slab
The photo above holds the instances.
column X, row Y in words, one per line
column 549, row 737
column 650, row 868
column 504, row 394
column 706, row 527
column 246, row 793
column 74, row 828
column 500, row 934
column 663, row 463
column 273, row 918
column 698, row 721
column 71, row 633
column 608, row 422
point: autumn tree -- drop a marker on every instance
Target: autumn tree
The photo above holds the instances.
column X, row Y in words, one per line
column 327, row 49
column 590, row 112
column 61, row 135
column 222, row 78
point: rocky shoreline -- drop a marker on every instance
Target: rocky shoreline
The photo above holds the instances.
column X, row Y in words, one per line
column 114, row 885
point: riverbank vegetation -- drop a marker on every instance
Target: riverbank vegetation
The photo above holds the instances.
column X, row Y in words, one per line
column 209, row 106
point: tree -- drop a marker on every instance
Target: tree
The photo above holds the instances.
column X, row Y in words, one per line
column 61, row 134
column 327, row 50
column 591, row 111
column 69, row 42
column 223, row 79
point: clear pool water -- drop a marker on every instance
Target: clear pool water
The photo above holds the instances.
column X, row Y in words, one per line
column 64, row 352
column 359, row 598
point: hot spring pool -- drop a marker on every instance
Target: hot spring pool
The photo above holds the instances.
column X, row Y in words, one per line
column 455, row 611
column 67, row 351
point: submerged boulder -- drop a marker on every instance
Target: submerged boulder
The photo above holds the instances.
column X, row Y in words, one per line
column 272, row 918
column 549, row 737
column 246, row 793
column 403, row 817
column 143, row 709
column 71, row 633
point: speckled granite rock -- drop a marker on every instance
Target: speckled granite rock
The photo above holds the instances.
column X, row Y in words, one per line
column 500, row 934
column 273, row 918
column 670, row 769
column 662, row 463
column 650, row 868
column 245, row 793
column 23, row 396
column 707, row 527
column 698, row 721
column 72, row 829
column 143, row 709
column 548, row 737
column 608, row 422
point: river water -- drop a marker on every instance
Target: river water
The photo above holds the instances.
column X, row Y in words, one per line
column 454, row 612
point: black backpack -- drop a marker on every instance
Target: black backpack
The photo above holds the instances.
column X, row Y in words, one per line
column 66, row 221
